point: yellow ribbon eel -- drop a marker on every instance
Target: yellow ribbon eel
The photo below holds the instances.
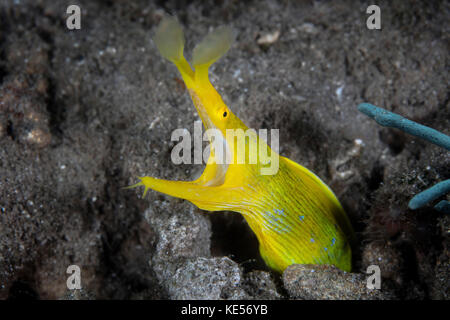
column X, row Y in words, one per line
column 295, row 216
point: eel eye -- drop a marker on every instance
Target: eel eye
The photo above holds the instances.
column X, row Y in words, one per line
column 225, row 114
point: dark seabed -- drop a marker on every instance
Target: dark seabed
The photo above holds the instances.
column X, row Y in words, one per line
column 84, row 112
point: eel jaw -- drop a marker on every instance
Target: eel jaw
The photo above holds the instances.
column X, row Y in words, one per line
column 218, row 162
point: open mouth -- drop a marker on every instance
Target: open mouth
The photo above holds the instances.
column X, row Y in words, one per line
column 219, row 152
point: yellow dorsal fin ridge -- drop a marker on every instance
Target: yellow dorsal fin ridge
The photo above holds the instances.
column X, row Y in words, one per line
column 169, row 39
column 212, row 47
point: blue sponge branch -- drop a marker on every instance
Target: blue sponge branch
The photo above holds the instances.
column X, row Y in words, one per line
column 393, row 120
column 443, row 206
column 429, row 195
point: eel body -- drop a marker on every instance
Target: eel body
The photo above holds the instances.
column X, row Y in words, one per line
column 294, row 214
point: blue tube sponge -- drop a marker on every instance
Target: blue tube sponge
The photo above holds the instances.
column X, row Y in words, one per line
column 393, row 120
column 429, row 195
column 443, row 206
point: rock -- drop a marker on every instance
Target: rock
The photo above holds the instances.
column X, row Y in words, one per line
column 182, row 261
column 268, row 39
column 207, row 278
column 183, row 233
column 321, row 282
column 260, row 285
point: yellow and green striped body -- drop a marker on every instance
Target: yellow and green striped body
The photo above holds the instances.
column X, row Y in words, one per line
column 297, row 219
